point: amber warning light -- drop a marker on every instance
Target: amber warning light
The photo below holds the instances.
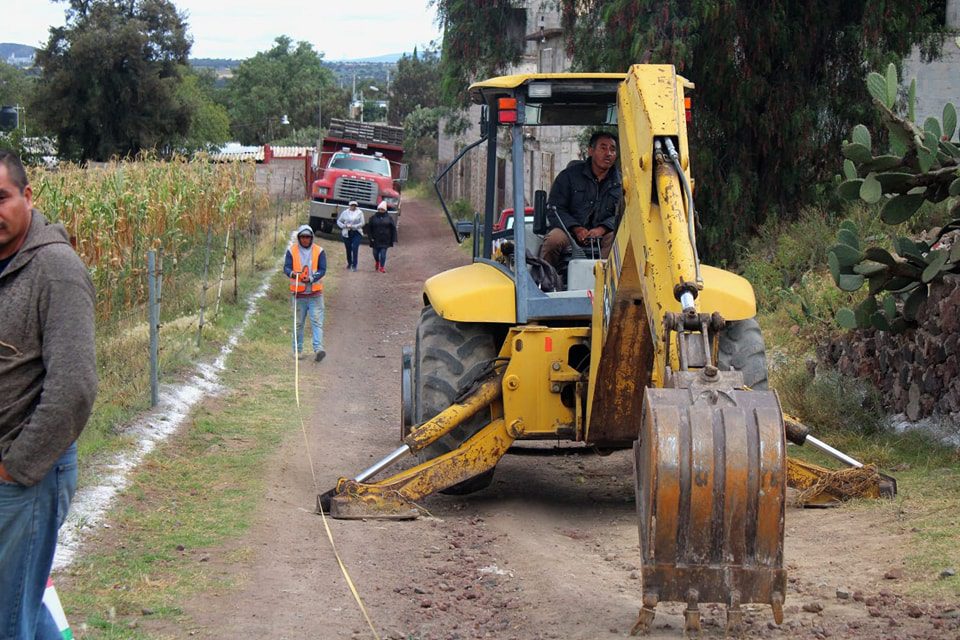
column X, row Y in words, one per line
column 686, row 108
column 507, row 110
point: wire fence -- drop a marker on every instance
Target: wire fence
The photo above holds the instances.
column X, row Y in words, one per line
column 210, row 230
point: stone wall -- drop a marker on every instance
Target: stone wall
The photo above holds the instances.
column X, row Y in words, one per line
column 916, row 371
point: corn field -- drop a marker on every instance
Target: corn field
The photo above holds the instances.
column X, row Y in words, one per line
column 115, row 213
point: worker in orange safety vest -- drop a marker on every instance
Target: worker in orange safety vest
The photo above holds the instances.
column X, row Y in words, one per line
column 305, row 264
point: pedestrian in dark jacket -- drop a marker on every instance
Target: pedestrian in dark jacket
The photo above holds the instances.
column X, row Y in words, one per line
column 48, row 381
column 587, row 196
column 383, row 233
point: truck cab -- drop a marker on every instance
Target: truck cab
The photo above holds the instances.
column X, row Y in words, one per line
column 361, row 162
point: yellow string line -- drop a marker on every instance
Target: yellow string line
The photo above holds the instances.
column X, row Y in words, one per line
column 316, row 485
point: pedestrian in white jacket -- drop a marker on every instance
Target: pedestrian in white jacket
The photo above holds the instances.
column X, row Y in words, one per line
column 350, row 222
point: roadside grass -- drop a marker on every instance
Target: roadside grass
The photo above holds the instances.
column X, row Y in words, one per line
column 193, row 493
column 123, row 345
column 797, row 300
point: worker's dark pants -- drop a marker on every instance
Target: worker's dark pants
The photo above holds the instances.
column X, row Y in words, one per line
column 556, row 242
column 352, row 243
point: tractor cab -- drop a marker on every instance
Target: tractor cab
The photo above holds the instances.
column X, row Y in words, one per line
column 523, row 110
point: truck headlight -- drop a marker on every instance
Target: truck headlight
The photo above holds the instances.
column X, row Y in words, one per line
column 321, row 191
column 392, row 202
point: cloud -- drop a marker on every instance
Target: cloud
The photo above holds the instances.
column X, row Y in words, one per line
column 241, row 28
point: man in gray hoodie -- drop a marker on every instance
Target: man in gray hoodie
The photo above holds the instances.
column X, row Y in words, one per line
column 48, row 381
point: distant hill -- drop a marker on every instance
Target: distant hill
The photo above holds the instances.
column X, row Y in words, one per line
column 388, row 57
column 17, row 55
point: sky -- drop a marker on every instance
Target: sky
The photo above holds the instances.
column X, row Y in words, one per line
column 241, row 28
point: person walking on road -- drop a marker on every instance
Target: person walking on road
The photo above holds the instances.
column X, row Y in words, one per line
column 383, row 233
column 350, row 222
column 305, row 264
column 48, row 375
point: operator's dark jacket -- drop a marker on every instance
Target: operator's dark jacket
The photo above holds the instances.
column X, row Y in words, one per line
column 582, row 201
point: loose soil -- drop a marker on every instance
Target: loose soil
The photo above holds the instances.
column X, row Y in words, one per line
column 548, row 551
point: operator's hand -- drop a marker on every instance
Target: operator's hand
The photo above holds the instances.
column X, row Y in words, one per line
column 597, row 232
column 316, row 276
column 581, row 234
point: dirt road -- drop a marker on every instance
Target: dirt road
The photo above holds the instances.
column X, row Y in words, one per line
column 548, row 551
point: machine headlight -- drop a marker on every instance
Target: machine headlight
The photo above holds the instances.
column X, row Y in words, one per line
column 392, row 202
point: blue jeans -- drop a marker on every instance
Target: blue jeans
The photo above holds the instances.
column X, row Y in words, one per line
column 352, row 243
column 380, row 255
column 29, row 520
column 314, row 306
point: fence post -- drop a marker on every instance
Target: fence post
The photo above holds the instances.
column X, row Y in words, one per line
column 253, row 246
column 236, row 294
column 223, row 271
column 152, row 313
column 203, row 291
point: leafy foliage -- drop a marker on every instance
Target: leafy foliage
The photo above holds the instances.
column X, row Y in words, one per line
column 111, row 77
column 777, row 87
column 479, row 39
column 415, row 85
column 284, row 81
column 921, row 165
column 210, row 123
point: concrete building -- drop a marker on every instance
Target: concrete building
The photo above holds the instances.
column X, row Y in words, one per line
column 938, row 82
column 549, row 149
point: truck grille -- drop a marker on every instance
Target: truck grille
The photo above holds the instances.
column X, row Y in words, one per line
column 363, row 191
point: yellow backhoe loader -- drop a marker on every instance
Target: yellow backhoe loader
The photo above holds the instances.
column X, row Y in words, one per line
column 647, row 349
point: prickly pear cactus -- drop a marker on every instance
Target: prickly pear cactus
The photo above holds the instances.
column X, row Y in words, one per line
column 921, row 165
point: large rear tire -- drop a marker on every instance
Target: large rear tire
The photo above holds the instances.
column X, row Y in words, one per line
column 741, row 348
column 449, row 357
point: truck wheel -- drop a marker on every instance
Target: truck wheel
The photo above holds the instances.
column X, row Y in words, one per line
column 741, row 348
column 448, row 357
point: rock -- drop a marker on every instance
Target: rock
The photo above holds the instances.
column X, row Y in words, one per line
column 634, row 575
column 858, row 596
column 914, row 611
column 948, row 573
column 610, row 557
column 813, row 607
column 874, row 612
column 894, row 574
column 843, row 593
column 180, row 547
column 146, row 612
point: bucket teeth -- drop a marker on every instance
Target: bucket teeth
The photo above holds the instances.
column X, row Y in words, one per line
column 647, row 613
column 777, row 605
column 691, row 615
column 734, row 615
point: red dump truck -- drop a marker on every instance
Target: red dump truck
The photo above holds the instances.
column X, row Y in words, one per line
column 358, row 161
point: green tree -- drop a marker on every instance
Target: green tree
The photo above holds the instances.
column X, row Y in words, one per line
column 284, row 81
column 479, row 39
column 210, row 122
column 16, row 88
column 111, row 77
column 415, row 84
column 779, row 83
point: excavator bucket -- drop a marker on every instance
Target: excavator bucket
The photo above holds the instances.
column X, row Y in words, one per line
column 710, row 478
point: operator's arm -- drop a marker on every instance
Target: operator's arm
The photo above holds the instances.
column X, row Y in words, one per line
column 560, row 195
column 393, row 231
column 288, row 264
column 340, row 219
column 65, row 313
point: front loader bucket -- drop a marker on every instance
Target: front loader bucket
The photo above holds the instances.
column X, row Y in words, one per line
column 710, row 477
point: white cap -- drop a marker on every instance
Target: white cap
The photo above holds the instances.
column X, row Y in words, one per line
column 352, row 203
column 382, row 206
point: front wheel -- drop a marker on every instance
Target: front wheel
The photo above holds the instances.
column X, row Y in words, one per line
column 449, row 357
column 741, row 348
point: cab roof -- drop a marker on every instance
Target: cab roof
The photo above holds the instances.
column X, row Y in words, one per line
column 487, row 90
